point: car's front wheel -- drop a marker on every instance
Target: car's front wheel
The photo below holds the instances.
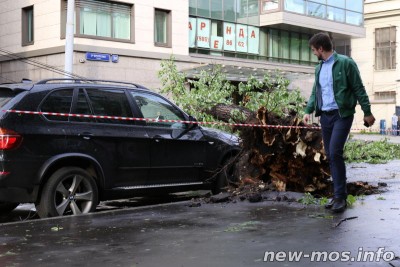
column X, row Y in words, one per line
column 7, row 207
column 69, row 191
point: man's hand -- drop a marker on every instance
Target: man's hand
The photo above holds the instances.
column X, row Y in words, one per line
column 369, row 120
column 306, row 118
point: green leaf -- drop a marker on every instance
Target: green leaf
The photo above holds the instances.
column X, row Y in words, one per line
column 213, row 88
column 56, row 228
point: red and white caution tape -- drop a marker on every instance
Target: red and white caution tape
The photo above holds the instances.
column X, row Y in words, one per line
column 155, row 120
column 171, row 121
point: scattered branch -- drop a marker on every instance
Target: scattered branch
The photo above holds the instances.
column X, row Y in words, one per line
column 343, row 220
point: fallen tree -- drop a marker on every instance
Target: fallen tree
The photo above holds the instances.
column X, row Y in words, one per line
column 284, row 155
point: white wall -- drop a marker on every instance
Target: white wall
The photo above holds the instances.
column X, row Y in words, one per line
column 47, row 18
column 378, row 14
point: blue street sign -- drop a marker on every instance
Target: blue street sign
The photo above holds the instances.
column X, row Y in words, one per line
column 97, row 56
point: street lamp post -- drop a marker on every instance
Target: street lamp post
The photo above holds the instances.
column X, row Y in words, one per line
column 69, row 39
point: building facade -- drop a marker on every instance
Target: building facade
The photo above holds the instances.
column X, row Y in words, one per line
column 377, row 58
column 126, row 39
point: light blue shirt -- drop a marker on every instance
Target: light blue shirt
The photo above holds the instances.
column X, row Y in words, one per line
column 326, row 84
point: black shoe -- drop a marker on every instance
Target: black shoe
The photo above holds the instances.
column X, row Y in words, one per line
column 330, row 204
column 339, row 205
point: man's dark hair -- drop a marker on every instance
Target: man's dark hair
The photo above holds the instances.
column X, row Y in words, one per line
column 321, row 39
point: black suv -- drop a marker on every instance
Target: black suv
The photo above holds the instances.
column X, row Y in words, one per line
column 67, row 144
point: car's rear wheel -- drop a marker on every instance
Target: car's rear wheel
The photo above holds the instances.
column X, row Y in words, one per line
column 224, row 177
column 69, row 191
column 7, row 207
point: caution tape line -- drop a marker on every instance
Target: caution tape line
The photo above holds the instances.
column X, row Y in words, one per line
column 172, row 121
column 155, row 120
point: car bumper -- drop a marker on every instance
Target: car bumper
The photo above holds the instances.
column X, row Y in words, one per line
column 17, row 195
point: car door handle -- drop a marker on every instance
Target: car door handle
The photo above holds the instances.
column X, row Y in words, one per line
column 86, row 135
column 157, row 138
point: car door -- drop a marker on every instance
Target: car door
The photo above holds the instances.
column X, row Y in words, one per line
column 121, row 146
column 177, row 150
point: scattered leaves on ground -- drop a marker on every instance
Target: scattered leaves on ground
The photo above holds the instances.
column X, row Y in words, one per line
column 371, row 152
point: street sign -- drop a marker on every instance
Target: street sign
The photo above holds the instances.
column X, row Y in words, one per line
column 97, row 56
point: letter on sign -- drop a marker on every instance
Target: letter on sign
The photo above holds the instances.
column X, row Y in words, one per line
column 217, row 42
column 203, row 33
column 229, row 36
column 241, row 38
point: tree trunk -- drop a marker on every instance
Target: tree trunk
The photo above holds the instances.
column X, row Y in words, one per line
column 224, row 112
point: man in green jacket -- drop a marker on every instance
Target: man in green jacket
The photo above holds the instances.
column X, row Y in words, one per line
column 337, row 88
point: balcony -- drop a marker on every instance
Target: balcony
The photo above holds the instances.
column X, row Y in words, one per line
column 343, row 18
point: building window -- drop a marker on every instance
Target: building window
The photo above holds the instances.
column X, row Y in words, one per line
column 221, row 38
column 162, row 27
column 385, row 48
column 239, row 11
column 229, row 10
column 342, row 47
column 27, row 26
column 316, row 9
column 385, row 97
column 289, row 47
column 101, row 20
column 203, row 8
column 296, row 6
column 216, row 9
column 268, row 5
column 336, row 14
column 344, row 11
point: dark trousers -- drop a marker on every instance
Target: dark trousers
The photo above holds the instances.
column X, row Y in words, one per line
column 335, row 131
column 394, row 129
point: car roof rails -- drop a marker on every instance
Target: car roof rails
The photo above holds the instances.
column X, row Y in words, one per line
column 96, row 81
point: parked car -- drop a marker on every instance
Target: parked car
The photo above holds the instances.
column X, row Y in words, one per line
column 67, row 144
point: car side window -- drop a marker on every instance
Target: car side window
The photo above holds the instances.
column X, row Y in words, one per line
column 82, row 107
column 156, row 108
column 110, row 102
column 58, row 101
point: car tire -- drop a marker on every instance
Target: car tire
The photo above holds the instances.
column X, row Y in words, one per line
column 69, row 191
column 7, row 207
column 224, row 177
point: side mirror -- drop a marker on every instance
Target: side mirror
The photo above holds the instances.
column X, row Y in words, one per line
column 178, row 132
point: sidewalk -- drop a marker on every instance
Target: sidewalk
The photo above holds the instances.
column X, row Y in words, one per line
column 229, row 234
column 375, row 137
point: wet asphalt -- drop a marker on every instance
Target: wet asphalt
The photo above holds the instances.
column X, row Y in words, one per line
column 196, row 233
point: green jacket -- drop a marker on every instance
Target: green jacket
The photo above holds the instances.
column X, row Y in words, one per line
column 347, row 87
